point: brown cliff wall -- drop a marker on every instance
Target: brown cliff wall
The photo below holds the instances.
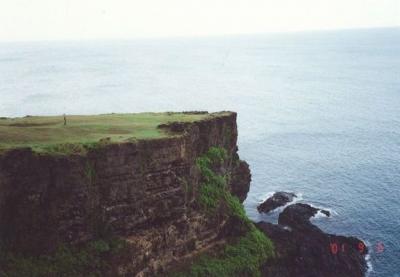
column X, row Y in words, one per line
column 143, row 191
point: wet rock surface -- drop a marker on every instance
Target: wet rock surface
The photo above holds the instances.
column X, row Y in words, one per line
column 302, row 249
column 279, row 199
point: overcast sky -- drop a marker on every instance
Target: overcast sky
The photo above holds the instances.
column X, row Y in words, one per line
column 92, row 19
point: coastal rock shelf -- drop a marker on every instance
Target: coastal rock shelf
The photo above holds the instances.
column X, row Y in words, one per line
column 304, row 250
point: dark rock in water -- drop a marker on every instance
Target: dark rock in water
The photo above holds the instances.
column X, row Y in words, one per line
column 302, row 249
column 297, row 216
column 279, row 199
column 325, row 212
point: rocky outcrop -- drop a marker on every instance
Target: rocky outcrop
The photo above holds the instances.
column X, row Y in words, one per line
column 278, row 199
column 240, row 180
column 142, row 191
column 303, row 249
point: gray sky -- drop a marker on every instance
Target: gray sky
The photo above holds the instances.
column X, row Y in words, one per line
column 92, row 19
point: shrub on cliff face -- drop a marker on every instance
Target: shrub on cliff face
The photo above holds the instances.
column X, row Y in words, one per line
column 214, row 189
column 93, row 259
column 244, row 256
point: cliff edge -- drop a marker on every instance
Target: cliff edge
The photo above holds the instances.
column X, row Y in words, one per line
column 147, row 193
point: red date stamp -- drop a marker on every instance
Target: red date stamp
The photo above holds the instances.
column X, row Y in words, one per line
column 336, row 247
column 379, row 247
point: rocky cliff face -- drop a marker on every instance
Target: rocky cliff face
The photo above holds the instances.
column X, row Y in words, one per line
column 142, row 191
column 168, row 200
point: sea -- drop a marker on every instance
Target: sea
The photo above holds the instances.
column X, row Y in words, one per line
column 318, row 112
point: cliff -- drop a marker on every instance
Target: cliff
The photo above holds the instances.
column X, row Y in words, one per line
column 144, row 192
column 167, row 204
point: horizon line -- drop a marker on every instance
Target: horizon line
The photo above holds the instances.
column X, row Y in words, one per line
column 165, row 37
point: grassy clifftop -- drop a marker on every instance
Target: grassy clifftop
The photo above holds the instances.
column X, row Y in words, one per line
column 45, row 132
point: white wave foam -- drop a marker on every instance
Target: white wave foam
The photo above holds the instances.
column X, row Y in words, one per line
column 368, row 258
column 370, row 269
column 299, row 196
column 320, row 214
column 265, row 196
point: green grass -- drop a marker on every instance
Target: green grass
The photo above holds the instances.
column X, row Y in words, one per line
column 48, row 133
column 243, row 257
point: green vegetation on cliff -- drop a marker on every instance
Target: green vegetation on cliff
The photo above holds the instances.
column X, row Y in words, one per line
column 245, row 255
column 241, row 258
column 213, row 190
column 92, row 259
column 48, row 133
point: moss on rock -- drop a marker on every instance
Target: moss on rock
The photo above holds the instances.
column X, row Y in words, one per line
column 245, row 255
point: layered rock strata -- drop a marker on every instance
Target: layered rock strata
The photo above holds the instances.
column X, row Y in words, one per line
column 143, row 191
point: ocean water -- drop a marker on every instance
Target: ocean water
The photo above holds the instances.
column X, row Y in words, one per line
column 318, row 112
